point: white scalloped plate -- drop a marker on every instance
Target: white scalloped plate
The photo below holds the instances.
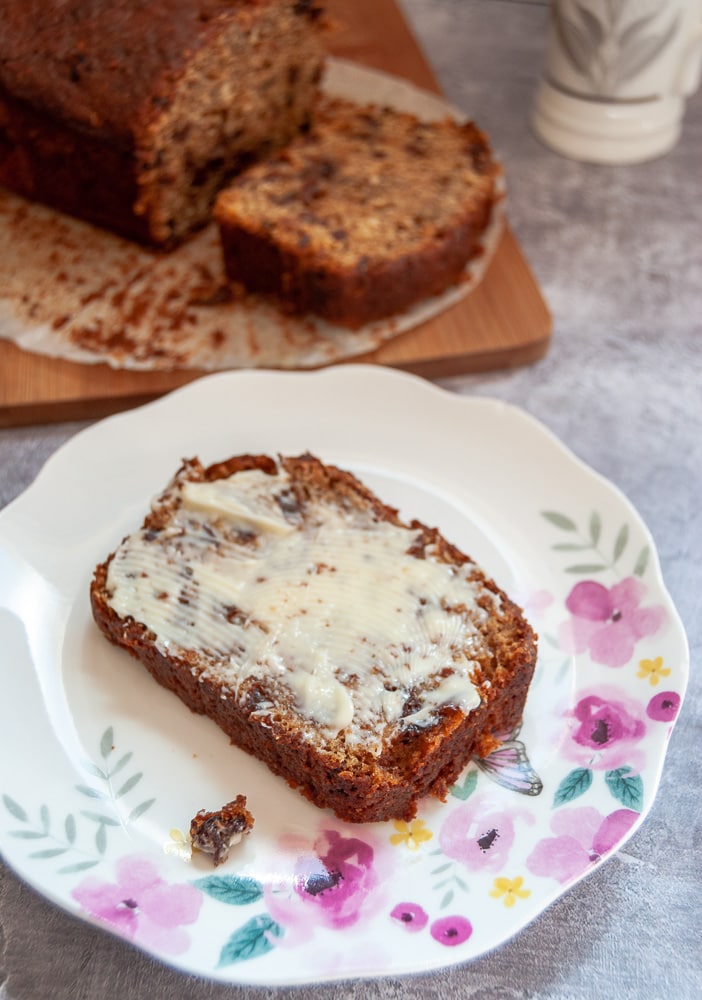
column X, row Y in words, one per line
column 106, row 769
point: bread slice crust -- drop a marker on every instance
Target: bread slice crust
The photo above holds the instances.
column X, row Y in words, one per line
column 358, row 785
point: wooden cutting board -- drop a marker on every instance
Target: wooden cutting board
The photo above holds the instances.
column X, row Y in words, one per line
column 503, row 323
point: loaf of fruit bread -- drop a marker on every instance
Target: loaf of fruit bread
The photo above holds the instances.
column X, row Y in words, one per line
column 368, row 212
column 364, row 659
column 132, row 114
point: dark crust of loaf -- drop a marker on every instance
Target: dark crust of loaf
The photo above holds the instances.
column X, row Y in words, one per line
column 351, row 297
column 372, row 287
column 83, row 86
column 419, row 761
column 70, row 170
column 110, row 68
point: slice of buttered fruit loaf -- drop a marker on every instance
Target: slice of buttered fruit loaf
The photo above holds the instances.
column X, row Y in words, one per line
column 364, row 659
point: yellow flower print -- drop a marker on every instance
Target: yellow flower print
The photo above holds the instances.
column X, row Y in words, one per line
column 410, row 834
column 653, row 669
column 511, row 889
column 179, row 845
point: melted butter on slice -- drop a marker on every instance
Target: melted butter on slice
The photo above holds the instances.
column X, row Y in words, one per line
column 331, row 606
column 323, row 699
column 451, row 692
column 245, row 505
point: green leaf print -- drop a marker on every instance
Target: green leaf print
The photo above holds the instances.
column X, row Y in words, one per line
column 129, row 784
column 106, row 813
column 250, row 941
column 101, row 839
column 466, row 789
column 442, row 868
column 91, row 793
column 70, row 828
column 587, row 568
column 78, row 866
column 44, row 818
column 575, row 784
column 122, row 762
column 15, row 809
column 595, row 527
column 107, row 743
column 100, row 818
column 448, row 898
column 626, row 787
column 236, row 890
column 642, row 561
column 49, row 852
column 91, row 768
column 590, row 538
column 620, row 542
column 139, row 810
column 559, row 520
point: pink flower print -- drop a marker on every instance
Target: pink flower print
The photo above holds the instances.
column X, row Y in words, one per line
column 335, row 881
column 605, row 728
column 411, row 915
column 141, row 906
column 534, row 603
column 608, row 622
column 448, row 931
column 479, row 834
column 451, row 930
column 582, row 837
column 663, row 707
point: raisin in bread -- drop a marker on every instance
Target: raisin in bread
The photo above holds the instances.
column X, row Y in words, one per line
column 369, row 212
column 132, row 114
column 364, row 659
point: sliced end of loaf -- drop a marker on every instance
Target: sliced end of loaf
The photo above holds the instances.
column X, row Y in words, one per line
column 369, row 212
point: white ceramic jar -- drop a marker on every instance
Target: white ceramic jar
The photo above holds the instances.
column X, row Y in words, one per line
column 616, row 77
